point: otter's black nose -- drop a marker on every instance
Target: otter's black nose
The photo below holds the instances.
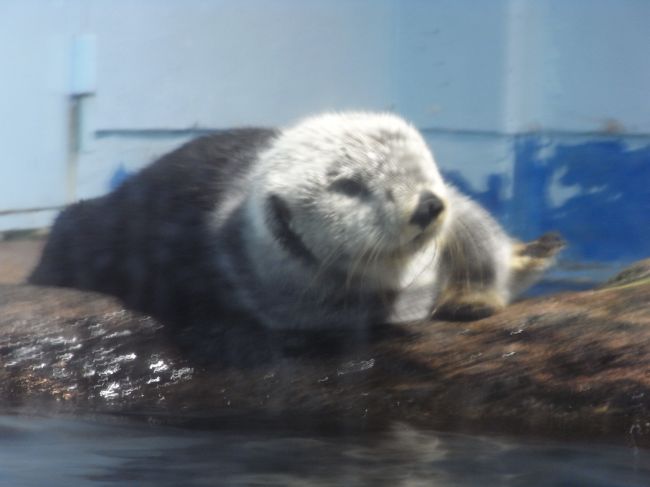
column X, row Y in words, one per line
column 429, row 207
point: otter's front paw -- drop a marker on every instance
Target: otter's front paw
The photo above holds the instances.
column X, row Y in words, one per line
column 466, row 310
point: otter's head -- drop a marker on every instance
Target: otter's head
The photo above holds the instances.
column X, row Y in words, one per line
column 340, row 188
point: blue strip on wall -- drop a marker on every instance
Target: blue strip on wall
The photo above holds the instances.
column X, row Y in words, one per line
column 608, row 217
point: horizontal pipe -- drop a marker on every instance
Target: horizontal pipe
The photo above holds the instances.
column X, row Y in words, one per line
column 184, row 132
column 30, row 210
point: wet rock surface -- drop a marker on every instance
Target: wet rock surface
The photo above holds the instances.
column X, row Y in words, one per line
column 573, row 365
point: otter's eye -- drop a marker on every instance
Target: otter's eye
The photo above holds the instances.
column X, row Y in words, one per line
column 350, row 187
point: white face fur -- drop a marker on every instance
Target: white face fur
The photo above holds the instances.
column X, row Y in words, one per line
column 350, row 184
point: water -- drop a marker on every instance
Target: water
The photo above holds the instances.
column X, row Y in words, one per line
column 41, row 451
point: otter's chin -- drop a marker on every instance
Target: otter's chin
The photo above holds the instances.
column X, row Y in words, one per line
column 406, row 248
column 420, row 241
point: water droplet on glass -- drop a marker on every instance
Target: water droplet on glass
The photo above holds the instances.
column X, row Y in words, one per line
column 158, row 366
column 354, row 366
column 111, row 391
column 182, row 374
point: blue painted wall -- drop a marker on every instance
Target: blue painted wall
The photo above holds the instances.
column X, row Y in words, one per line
column 594, row 190
column 605, row 211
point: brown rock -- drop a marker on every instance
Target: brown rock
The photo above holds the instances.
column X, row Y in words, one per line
column 570, row 365
column 17, row 258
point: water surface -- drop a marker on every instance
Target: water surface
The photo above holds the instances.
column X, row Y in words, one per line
column 41, row 451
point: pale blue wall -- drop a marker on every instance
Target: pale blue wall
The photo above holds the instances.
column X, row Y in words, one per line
column 33, row 133
column 500, row 88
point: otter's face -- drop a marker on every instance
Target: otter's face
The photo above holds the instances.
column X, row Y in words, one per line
column 348, row 188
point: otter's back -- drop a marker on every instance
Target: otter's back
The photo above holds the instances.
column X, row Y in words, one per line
column 148, row 241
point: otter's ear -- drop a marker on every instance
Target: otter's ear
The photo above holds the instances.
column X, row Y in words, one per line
column 278, row 218
column 278, row 209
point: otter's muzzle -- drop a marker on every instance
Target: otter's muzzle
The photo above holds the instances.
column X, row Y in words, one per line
column 427, row 210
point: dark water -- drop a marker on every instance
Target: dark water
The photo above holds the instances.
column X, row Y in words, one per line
column 37, row 451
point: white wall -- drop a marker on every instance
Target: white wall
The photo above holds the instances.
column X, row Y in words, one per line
column 224, row 63
column 34, row 40
column 471, row 73
column 451, row 63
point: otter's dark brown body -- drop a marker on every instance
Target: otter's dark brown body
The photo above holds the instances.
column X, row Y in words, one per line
column 148, row 241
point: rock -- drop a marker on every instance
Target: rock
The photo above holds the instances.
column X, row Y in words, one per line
column 574, row 365
column 17, row 257
column 640, row 271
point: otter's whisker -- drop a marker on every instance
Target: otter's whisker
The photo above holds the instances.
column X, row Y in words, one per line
column 373, row 257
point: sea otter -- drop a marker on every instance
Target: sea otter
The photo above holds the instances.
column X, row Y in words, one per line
column 340, row 221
